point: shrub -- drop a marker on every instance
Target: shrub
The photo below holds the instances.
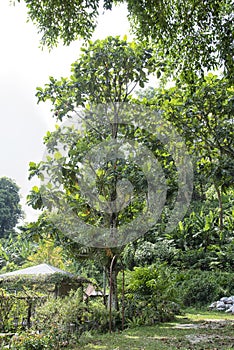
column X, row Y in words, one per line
column 147, row 253
column 62, row 318
column 199, row 288
column 199, row 292
column 213, row 259
column 29, row 341
column 66, row 319
column 14, row 309
column 150, row 295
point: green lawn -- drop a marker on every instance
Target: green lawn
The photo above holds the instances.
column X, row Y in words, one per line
column 194, row 330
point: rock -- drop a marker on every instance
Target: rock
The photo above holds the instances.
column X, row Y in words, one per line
column 231, row 299
column 213, row 305
column 231, row 310
column 220, row 304
column 224, row 299
column 224, row 304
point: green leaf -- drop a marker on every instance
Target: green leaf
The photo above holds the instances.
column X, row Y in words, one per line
column 57, row 155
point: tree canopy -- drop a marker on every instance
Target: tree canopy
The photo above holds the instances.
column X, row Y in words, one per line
column 195, row 35
column 105, row 74
column 203, row 112
column 10, row 209
column 107, row 71
column 189, row 35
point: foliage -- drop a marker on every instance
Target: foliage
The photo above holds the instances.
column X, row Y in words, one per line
column 199, row 291
column 74, row 258
column 14, row 251
column 147, row 251
column 48, row 253
column 14, row 309
column 192, row 35
column 107, row 71
column 150, row 295
column 202, row 111
column 10, row 209
column 69, row 317
column 32, row 341
column 154, row 292
column 63, row 20
column 199, row 288
column 200, row 230
column 201, row 242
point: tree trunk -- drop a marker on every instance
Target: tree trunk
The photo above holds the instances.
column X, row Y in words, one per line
column 113, row 303
column 112, row 278
column 113, row 266
column 219, row 194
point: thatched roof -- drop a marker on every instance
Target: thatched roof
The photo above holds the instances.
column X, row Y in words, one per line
column 42, row 269
column 42, row 274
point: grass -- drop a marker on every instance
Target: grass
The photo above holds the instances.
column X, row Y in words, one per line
column 195, row 330
column 201, row 315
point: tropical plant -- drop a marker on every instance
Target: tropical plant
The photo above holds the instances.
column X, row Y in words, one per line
column 150, row 295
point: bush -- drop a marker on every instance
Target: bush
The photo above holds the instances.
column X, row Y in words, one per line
column 14, row 310
column 150, row 295
column 66, row 319
column 213, row 259
column 148, row 253
column 29, row 341
column 154, row 293
column 199, row 288
column 199, row 292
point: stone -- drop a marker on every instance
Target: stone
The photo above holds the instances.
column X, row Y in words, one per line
column 220, row 304
column 224, row 304
column 231, row 310
column 224, row 299
column 213, row 305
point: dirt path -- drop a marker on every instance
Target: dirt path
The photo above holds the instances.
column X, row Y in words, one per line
column 222, row 332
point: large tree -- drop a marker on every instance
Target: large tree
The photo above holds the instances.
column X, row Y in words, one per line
column 10, row 209
column 203, row 111
column 203, row 114
column 106, row 73
column 116, row 197
column 190, row 35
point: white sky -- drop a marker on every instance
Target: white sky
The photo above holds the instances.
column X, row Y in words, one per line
column 23, row 67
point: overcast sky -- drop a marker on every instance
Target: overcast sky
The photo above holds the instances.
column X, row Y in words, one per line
column 24, row 66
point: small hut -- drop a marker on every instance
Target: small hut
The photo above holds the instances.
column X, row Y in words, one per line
column 58, row 281
column 27, row 284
